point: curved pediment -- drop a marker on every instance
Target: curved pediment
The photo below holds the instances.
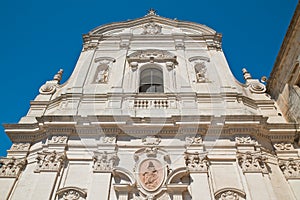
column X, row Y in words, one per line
column 156, row 23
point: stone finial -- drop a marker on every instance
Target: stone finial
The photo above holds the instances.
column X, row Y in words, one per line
column 246, row 74
column 58, row 75
column 151, row 11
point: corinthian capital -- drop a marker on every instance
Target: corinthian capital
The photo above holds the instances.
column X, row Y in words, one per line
column 252, row 162
column 11, row 167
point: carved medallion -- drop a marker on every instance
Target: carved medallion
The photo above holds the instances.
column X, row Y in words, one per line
column 151, row 174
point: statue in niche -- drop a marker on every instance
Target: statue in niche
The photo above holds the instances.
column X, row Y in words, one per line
column 102, row 75
column 200, row 70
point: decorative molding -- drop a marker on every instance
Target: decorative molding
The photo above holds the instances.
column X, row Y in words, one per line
column 108, row 140
column 151, row 140
column 151, row 29
column 194, row 140
column 151, row 55
column 58, row 140
column 252, row 162
column 196, row 162
column 290, row 168
column 11, row 167
column 50, row 86
column 50, row 161
column 71, row 193
column 283, row 146
column 256, row 87
column 230, row 194
column 244, row 140
column 20, row 147
column 104, row 161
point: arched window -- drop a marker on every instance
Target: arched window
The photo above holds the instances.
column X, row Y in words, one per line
column 151, row 81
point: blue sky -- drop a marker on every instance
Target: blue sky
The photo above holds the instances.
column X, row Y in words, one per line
column 40, row 37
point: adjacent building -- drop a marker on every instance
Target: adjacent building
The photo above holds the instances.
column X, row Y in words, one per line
column 153, row 112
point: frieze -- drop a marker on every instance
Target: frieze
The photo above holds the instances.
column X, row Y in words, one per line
column 196, row 162
column 290, row 168
column 105, row 161
column 252, row 162
column 28, row 137
column 11, row 167
column 20, row 147
column 50, row 161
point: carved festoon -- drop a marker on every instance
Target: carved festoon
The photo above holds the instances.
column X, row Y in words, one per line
column 11, row 167
column 104, row 161
column 50, row 161
column 196, row 162
column 151, row 140
column 193, row 140
column 290, row 168
column 252, row 162
column 244, row 140
column 20, row 146
column 283, row 146
column 58, row 139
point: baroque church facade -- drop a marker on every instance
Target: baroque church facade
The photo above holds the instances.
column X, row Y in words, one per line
column 152, row 112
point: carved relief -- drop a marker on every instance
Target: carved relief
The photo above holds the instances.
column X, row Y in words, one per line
column 257, row 87
column 283, row 146
column 58, row 139
column 290, row 168
column 50, row 161
column 193, row 140
column 104, row 161
column 244, row 140
column 50, row 86
column 195, row 162
column 151, row 174
column 151, row 140
column 151, row 151
column 229, row 195
column 200, row 70
column 20, row 147
column 252, row 162
column 102, row 73
column 152, row 29
column 71, row 193
column 11, row 167
column 108, row 140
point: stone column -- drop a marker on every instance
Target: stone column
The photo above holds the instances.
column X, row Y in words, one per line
column 123, row 191
column 254, row 168
column 197, row 165
column 291, row 170
column 9, row 172
column 104, row 162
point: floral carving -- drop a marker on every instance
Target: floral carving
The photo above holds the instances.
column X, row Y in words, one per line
column 195, row 162
column 151, row 140
column 244, row 140
column 290, row 168
column 71, row 193
column 59, row 139
column 11, row 167
column 229, row 195
column 104, row 161
column 193, row 140
column 252, row 162
column 109, row 140
column 151, row 151
column 20, row 147
column 283, row 146
column 50, row 161
column 152, row 29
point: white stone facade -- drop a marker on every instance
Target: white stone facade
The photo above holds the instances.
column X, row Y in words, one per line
column 152, row 112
